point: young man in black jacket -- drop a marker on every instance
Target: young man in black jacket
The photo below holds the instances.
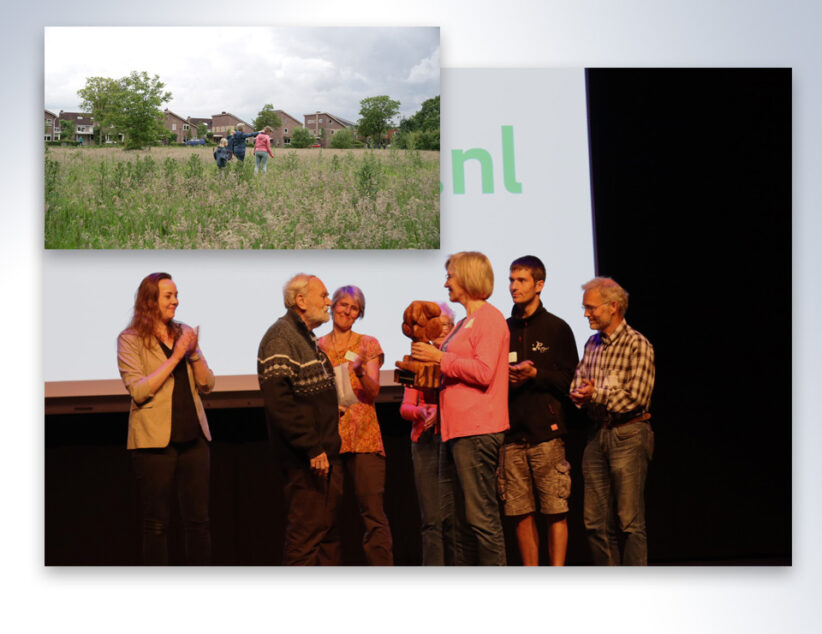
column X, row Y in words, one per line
column 534, row 473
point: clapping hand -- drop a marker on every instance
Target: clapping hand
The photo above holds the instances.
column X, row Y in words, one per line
column 519, row 372
column 583, row 393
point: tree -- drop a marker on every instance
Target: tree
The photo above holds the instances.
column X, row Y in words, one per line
column 267, row 117
column 342, row 139
column 202, row 130
column 99, row 99
column 422, row 129
column 67, row 129
column 137, row 111
column 301, row 137
column 376, row 114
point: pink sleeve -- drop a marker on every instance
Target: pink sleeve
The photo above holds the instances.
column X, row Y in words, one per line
column 409, row 408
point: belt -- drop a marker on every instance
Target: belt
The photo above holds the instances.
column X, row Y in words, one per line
column 618, row 420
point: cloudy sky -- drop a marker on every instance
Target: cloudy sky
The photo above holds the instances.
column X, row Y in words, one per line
column 213, row 69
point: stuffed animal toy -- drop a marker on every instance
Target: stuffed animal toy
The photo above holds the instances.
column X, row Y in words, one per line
column 420, row 322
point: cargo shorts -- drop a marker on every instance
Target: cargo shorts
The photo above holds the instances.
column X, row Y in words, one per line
column 528, row 473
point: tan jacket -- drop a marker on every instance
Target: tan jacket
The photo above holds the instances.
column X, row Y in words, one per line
column 149, row 419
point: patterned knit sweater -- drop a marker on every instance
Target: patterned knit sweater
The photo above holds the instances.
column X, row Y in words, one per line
column 299, row 395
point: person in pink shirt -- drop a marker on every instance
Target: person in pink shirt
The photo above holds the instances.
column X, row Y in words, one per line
column 262, row 149
column 419, row 407
column 473, row 406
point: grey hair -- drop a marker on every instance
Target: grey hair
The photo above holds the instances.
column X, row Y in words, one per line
column 295, row 286
column 610, row 292
column 239, row 126
column 355, row 293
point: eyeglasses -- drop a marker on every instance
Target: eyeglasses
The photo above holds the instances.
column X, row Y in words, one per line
column 586, row 308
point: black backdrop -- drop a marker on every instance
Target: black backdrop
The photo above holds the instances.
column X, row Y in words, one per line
column 691, row 177
column 691, row 189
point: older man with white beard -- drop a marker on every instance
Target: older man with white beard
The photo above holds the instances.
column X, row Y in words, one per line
column 300, row 398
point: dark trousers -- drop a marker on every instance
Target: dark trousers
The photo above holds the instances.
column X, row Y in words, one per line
column 312, row 502
column 156, row 471
column 436, row 511
column 366, row 471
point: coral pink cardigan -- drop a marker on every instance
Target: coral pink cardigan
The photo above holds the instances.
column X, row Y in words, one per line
column 263, row 144
column 474, row 395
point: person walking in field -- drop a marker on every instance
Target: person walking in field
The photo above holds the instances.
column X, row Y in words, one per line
column 236, row 142
column 222, row 154
column 262, row 149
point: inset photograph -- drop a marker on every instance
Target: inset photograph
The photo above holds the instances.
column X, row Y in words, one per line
column 242, row 138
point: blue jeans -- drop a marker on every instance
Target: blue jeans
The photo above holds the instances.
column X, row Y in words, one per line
column 260, row 158
column 479, row 533
column 437, row 518
column 614, row 467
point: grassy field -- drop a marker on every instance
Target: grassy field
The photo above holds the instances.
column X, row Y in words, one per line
column 176, row 198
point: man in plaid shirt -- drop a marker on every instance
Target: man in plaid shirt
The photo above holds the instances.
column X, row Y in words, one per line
column 613, row 383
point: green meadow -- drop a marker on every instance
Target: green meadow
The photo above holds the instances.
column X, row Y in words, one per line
column 176, row 198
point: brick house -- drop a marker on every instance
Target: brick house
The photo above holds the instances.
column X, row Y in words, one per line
column 184, row 128
column 282, row 135
column 52, row 128
column 196, row 121
column 320, row 121
column 83, row 126
column 225, row 123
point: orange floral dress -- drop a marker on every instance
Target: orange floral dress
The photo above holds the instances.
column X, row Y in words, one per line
column 359, row 428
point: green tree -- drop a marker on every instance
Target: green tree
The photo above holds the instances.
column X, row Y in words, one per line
column 67, row 129
column 426, row 123
column 376, row 114
column 99, row 98
column 137, row 111
column 301, row 137
column 267, row 117
column 202, row 130
column 342, row 139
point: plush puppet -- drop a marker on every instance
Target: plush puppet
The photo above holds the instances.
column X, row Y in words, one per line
column 420, row 322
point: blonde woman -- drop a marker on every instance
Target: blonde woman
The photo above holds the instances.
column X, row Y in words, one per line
column 236, row 141
column 262, row 149
column 473, row 407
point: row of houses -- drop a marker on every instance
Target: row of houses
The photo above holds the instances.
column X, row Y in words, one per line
column 322, row 125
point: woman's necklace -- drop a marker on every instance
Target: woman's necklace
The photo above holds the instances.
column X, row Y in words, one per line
column 340, row 352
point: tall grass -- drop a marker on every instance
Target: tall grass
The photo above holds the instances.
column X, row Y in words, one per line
column 176, row 198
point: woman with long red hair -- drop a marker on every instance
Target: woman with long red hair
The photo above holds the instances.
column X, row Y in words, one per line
column 164, row 371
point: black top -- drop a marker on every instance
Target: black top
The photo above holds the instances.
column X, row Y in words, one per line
column 185, row 425
column 536, row 407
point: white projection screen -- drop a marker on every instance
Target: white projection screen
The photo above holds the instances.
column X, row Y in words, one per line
column 515, row 181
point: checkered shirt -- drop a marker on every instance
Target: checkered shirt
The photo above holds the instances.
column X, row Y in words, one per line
column 622, row 369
